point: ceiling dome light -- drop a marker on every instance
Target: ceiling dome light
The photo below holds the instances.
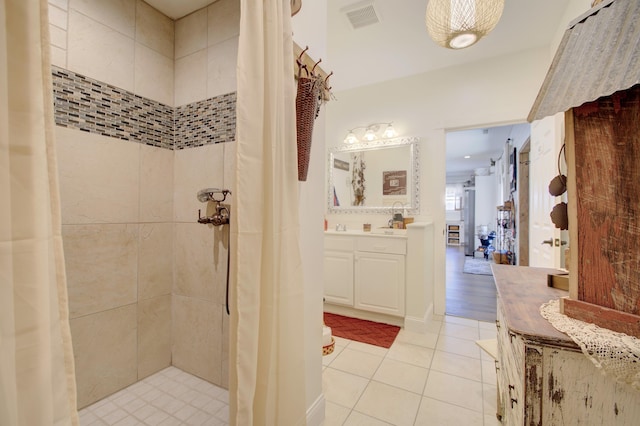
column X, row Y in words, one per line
column 456, row 24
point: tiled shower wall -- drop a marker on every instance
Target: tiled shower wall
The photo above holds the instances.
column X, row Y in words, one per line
column 146, row 281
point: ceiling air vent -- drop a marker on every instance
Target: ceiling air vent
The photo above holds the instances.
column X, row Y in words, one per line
column 361, row 14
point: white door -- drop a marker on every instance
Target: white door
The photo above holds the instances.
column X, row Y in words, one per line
column 547, row 137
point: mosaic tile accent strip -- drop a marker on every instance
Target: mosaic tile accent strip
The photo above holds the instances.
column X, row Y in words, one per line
column 210, row 121
column 92, row 106
column 86, row 104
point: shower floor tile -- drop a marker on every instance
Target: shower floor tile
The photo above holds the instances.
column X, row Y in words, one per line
column 169, row 397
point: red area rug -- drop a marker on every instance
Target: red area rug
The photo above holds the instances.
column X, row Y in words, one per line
column 373, row 333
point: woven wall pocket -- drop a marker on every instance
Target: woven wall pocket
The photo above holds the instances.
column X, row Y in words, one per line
column 307, row 107
column 309, row 98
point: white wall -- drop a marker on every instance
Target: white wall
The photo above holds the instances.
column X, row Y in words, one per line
column 495, row 91
column 310, row 29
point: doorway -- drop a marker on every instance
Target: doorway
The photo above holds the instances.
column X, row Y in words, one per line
column 523, row 205
column 478, row 161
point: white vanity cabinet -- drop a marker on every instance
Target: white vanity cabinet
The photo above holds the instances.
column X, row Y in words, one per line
column 366, row 272
column 338, row 270
column 379, row 284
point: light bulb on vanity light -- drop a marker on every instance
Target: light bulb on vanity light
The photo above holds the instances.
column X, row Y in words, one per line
column 351, row 138
column 369, row 135
column 389, row 132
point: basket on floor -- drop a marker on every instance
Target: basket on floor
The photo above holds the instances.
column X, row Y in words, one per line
column 328, row 350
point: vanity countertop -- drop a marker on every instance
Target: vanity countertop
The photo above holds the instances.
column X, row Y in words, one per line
column 375, row 232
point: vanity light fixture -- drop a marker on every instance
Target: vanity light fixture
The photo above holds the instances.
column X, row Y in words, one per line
column 467, row 156
column 371, row 133
column 456, row 24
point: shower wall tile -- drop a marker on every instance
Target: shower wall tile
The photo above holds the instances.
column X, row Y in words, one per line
column 58, row 57
column 230, row 169
column 154, row 335
column 57, row 16
column 155, row 261
column 98, row 178
column 58, row 37
column 154, row 30
column 195, row 169
column 195, row 274
column 102, row 266
column 219, row 262
column 190, row 78
column 197, row 337
column 99, row 51
column 153, row 75
column 224, row 20
column 224, row 380
column 104, row 348
column 221, row 67
column 117, row 14
column 156, row 184
column 62, row 4
column 191, row 33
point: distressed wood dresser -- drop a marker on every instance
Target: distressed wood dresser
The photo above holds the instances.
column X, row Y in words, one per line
column 543, row 377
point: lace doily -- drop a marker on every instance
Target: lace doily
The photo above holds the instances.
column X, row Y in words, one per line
column 615, row 354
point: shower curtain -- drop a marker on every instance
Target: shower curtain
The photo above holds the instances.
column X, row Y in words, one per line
column 37, row 382
column 267, row 375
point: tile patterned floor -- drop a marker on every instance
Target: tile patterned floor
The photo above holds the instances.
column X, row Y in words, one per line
column 437, row 378
column 170, row 397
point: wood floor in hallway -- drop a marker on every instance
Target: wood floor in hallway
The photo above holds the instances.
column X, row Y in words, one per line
column 468, row 296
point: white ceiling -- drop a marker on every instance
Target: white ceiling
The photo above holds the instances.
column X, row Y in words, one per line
column 481, row 145
column 399, row 46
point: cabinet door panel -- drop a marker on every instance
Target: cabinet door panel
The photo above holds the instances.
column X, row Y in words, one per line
column 379, row 283
column 338, row 277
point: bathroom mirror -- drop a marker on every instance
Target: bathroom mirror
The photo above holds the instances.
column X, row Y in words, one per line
column 374, row 177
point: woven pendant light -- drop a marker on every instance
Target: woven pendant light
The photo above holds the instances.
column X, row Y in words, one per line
column 456, row 24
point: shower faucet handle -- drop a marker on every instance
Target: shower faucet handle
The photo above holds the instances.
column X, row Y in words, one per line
column 202, row 219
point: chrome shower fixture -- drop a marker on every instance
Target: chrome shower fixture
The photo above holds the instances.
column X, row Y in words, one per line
column 221, row 215
column 213, row 194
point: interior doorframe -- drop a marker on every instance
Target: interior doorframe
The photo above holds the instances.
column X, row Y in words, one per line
column 523, row 204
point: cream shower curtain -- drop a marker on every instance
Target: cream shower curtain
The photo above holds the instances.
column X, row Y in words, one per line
column 37, row 383
column 267, row 376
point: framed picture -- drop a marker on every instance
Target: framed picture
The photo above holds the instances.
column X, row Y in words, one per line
column 340, row 164
column 394, row 182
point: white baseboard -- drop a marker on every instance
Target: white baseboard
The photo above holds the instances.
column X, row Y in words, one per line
column 315, row 413
column 419, row 325
column 365, row 315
